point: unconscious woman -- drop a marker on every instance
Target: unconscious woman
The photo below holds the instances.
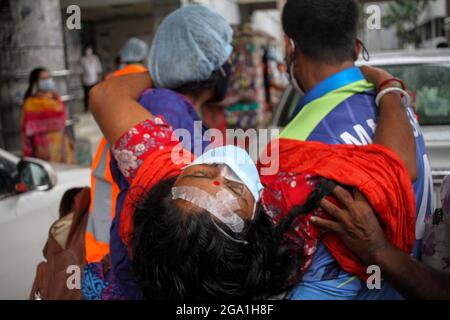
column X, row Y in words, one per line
column 179, row 95
column 198, row 231
column 43, row 122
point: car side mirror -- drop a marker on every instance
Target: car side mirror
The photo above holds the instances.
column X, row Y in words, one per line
column 35, row 174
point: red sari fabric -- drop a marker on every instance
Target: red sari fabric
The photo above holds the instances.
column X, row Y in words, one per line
column 43, row 129
column 374, row 170
column 154, row 164
column 43, row 114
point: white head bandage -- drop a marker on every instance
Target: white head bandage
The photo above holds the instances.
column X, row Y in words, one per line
column 230, row 175
column 222, row 205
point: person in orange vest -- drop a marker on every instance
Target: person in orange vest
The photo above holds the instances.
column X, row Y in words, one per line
column 104, row 189
column 133, row 55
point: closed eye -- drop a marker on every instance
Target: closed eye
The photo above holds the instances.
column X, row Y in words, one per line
column 236, row 188
column 199, row 174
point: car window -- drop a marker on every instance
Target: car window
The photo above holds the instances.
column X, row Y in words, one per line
column 429, row 84
column 8, row 178
column 34, row 175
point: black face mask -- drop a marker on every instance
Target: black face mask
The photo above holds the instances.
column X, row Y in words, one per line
column 221, row 86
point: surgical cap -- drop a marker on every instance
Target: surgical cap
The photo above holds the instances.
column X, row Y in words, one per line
column 134, row 50
column 190, row 44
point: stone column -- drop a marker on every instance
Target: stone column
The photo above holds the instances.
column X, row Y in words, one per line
column 31, row 35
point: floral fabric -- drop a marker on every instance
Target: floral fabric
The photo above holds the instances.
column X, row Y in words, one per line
column 281, row 194
column 140, row 141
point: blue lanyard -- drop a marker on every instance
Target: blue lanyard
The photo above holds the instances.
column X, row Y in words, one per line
column 339, row 80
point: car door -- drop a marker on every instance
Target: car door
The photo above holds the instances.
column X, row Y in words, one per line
column 8, row 177
column 25, row 219
column 23, row 237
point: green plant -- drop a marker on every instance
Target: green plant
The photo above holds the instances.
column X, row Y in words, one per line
column 404, row 15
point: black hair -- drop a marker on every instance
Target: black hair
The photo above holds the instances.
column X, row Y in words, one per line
column 33, row 79
column 67, row 201
column 215, row 77
column 179, row 255
column 286, row 226
column 88, row 46
column 324, row 30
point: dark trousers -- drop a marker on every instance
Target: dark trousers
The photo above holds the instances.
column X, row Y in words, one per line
column 86, row 90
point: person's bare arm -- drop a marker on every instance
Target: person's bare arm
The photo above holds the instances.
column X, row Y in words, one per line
column 394, row 130
column 114, row 105
column 358, row 227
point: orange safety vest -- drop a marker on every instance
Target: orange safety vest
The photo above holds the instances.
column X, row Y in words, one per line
column 104, row 192
column 129, row 69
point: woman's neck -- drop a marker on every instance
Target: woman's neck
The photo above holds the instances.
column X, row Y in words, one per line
column 198, row 99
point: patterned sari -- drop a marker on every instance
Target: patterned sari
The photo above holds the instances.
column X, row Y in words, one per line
column 43, row 130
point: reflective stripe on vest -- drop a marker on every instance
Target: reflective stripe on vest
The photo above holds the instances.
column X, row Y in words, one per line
column 104, row 193
column 301, row 127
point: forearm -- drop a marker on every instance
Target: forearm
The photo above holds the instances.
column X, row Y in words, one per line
column 410, row 277
column 114, row 105
column 394, row 131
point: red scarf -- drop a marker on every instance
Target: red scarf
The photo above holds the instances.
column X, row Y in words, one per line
column 375, row 170
column 157, row 167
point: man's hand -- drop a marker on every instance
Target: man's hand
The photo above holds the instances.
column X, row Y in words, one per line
column 375, row 75
column 355, row 224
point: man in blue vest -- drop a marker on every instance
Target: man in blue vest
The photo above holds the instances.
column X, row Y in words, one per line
column 338, row 108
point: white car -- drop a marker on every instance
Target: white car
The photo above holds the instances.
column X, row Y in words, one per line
column 25, row 217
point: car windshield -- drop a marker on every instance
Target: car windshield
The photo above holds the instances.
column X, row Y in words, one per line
column 429, row 83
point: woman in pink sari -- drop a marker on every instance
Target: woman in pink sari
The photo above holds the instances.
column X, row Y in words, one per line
column 43, row 122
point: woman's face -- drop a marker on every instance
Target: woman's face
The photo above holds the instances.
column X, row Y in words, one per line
column 210, row 178
column 44, row 75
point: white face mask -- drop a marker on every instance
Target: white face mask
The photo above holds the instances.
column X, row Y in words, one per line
column 240, row 163
column 46, row 85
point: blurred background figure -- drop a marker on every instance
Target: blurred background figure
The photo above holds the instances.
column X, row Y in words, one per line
column 118, row 65
column 43, row 122
column 133, row 56
column 91, row 73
